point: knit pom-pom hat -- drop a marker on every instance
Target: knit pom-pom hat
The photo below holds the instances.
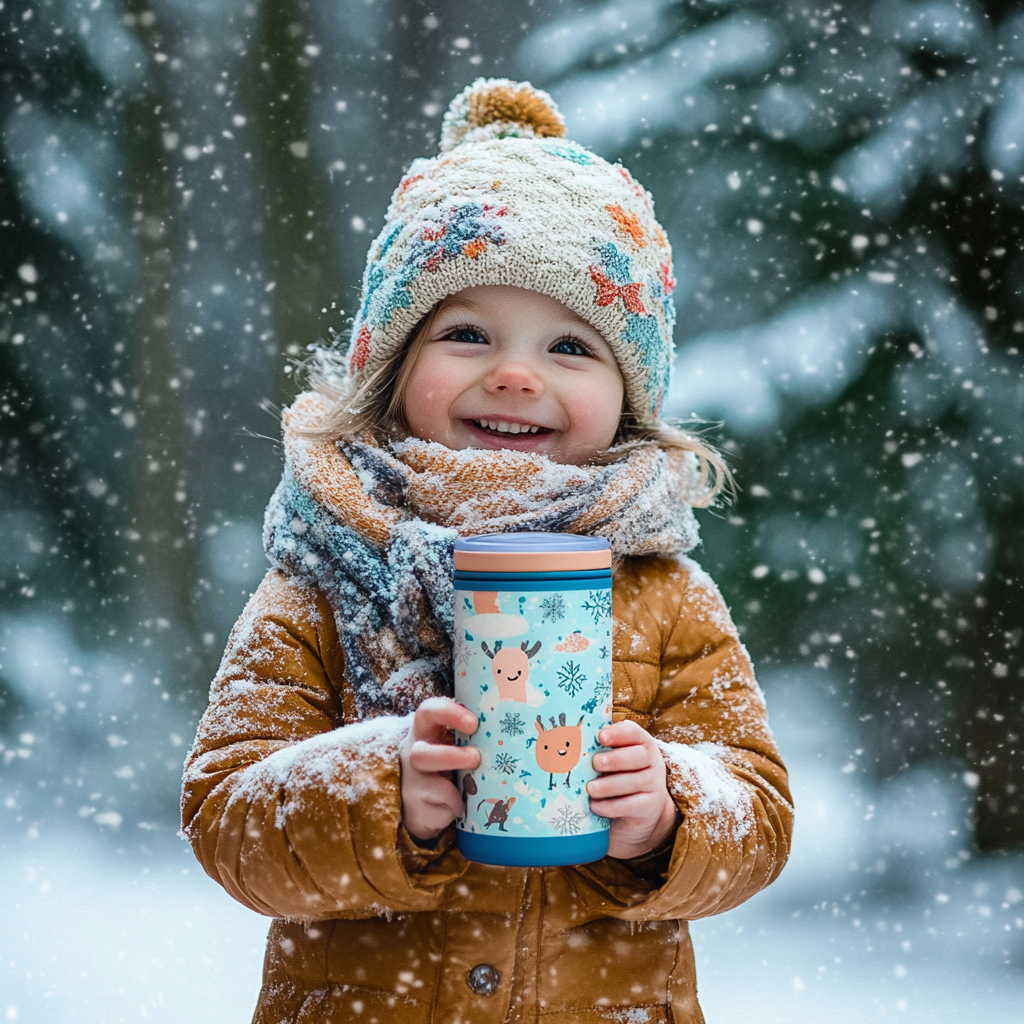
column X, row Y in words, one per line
column 508, row 201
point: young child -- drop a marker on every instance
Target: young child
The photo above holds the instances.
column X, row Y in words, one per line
column 506, row 370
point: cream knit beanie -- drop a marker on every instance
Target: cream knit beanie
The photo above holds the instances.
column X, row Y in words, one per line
column 509, row 202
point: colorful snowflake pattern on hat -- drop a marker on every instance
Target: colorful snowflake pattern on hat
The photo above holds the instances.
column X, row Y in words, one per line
column 509, row 202
column 460, row 230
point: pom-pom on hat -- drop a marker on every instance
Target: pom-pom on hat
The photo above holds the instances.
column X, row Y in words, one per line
column 509, row 201
column 497, row 108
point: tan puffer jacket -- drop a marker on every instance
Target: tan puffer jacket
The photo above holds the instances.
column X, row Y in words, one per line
column 296, row 811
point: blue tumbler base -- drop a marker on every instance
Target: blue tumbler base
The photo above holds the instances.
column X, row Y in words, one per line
column 540, row 852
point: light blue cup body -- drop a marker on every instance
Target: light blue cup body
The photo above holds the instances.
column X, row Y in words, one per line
column 533, row 662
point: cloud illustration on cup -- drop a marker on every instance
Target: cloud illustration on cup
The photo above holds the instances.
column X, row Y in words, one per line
column 489, row 622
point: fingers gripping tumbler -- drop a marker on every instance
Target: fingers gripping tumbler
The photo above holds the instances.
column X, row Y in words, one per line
column 533, row 663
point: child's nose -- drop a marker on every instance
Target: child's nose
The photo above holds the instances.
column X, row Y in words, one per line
column 514, row 377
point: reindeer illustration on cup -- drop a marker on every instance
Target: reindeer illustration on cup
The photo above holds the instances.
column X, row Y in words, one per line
column 510, row 667
column 499, row 811
column 559, row 748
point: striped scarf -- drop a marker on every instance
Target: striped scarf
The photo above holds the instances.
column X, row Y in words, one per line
column 375, row 528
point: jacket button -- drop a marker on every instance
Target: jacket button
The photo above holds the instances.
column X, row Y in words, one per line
column 484, row 980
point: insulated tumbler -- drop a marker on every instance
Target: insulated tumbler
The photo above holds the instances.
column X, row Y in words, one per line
column 532, row 658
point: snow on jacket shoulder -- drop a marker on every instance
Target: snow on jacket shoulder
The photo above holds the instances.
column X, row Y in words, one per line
column 295, row 808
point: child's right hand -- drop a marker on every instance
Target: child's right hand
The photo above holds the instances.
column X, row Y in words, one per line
column 430, row 801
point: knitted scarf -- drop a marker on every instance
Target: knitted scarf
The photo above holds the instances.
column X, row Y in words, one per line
column 375, row 529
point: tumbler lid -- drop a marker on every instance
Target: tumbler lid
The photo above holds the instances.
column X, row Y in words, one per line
column 531, row 552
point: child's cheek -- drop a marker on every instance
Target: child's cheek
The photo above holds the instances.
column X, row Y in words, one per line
column 595, row 410
column 428, row 400
column 595, row 423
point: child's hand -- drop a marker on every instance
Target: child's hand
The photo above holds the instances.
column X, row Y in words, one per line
column 430, row 801
column 632, row 790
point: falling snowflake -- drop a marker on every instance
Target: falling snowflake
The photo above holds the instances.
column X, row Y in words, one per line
column 511, row 724
column 567, row 820
column 571, row 678
column 599, row 604
column 552, row 608
column 506, row 763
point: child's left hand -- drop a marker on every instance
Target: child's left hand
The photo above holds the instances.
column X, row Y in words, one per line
column 632, row 790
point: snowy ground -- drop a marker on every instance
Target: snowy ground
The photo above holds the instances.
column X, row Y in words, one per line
column 92, row 938
column 886, row 964
column 881, row 914
column 89, row 939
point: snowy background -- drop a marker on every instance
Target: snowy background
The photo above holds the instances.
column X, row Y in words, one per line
column 886, row 911
column 187, row 193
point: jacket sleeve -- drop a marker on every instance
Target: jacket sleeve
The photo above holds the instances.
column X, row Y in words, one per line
column 724, row 771
column 294, row 813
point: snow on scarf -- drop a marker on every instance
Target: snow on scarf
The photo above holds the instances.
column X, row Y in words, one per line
column 374, row 529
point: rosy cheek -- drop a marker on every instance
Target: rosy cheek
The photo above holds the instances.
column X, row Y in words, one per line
column 599, row 423
column 423, row 384
column 429, row 395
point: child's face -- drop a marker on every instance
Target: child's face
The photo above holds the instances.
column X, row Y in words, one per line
column 496, row 358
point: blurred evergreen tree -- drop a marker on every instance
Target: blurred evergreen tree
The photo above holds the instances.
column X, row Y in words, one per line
column 843, row 185
column 132, row 354
column 187, row 192
column 97, row 535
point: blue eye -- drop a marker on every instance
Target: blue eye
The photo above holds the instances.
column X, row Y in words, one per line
column 468, row 335
column 570, row 347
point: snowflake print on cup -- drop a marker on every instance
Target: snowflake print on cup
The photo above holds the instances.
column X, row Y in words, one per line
column 533, row 650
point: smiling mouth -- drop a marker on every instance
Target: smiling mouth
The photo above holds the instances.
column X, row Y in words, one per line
column 502, row 428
